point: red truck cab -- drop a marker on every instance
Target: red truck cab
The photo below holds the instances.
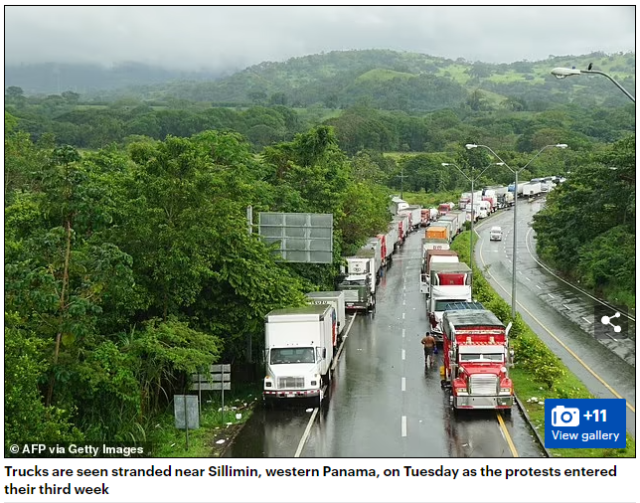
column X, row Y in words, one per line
column 477, row 358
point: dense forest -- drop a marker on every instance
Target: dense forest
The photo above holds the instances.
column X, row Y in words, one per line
column 126, row 269
column 127, row 259
column 588, row 227
column 360, row 127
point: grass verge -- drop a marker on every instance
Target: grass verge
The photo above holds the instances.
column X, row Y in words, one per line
column 216, row 429
column 538, row 372
column 533, row 394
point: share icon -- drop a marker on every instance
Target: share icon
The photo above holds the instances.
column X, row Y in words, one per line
column 606, row 320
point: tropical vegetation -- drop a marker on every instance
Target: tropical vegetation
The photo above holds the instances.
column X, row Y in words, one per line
column 128, row 261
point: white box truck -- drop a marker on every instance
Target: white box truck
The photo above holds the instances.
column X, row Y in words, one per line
column 415, row 215
column 532, row 189
column 298, row 352
column 335, row 300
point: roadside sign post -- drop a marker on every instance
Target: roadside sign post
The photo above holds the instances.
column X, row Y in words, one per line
column 218, row 378
column 186, row 414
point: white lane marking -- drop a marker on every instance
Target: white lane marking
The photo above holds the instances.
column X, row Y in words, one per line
column 551, row 296
column 633, row 318
column 344, row 339
column 403, row 316
column 403, row 332
column 404, row 302
column 404, row 426
column 538, row 287
column 307, row 430
column 567, row 307
column 527, row 278
column 404, row 384
column 305, row 435
column 588, row 321
column 404, row 354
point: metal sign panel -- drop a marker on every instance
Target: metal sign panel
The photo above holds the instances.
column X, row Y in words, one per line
column 186, row 412
column 302, row 237
column 219, row 379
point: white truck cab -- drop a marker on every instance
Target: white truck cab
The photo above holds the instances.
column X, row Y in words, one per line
column 299, row 349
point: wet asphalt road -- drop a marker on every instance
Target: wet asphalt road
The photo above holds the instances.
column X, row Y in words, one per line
column 382, row 402
column 566, row 319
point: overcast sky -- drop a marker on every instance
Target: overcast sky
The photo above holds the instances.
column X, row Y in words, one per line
column 216, row 38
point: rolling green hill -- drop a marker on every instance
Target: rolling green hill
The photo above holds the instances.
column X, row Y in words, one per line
column 412, row 82
column 401, row 81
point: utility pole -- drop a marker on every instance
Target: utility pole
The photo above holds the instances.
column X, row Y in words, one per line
column 402, row 177
column 469, row 146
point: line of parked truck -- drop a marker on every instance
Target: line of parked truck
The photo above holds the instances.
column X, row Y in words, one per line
column 362, row 272
column 477, row 356
column 302, row 342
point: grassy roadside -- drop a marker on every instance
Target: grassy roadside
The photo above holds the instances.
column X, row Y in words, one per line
column 538, row 373
column 216, row 431
column 568, row 386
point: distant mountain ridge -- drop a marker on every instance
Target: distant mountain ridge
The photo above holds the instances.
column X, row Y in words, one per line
column 383, row 78
column 55, row 78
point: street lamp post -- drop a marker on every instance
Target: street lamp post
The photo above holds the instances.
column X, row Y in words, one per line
column 515, row 210
column 561, row 73
column 472, row 180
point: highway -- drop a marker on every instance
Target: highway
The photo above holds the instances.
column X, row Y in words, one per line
column 565, row 318
column 382, row 402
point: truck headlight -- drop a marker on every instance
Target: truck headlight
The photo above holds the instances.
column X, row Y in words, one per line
column 314, row 383
column 268, row 384
column 505, row 390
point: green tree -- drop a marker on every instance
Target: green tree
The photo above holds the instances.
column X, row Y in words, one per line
column 588, row 225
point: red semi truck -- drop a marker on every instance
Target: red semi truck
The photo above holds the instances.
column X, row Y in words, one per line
column 477, row 358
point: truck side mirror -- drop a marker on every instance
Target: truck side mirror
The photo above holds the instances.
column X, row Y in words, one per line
column 324, row 353
column 265, row 355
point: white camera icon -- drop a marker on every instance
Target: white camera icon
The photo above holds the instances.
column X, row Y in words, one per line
column 565, row 416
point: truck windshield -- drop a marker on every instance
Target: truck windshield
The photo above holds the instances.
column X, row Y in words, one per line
column 481, row 357
column 353, row 282
column 441, row 304
column 292, row 355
